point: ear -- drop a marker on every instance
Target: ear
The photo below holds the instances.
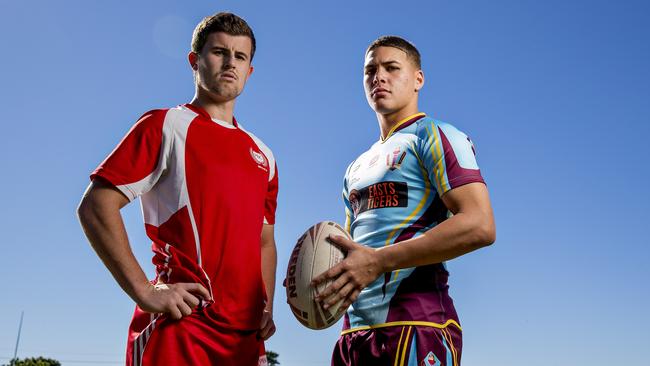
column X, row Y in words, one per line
column 419, row 80
column 193, row 58
column 250, row 72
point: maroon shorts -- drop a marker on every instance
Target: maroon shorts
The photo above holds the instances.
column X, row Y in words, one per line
column 404, row 345
column 159, row 340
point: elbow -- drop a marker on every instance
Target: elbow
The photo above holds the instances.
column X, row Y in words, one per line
column 488, row 234
column 84, row 210
column 484, row 234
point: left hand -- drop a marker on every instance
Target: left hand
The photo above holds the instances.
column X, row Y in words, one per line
column 267, row 326
column 360, row 267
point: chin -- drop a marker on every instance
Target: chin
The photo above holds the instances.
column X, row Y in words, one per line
column 226, row 93
column 381, row 108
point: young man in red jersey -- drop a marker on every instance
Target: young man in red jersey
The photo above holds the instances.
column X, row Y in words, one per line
column 399, row 196
column 208, row 190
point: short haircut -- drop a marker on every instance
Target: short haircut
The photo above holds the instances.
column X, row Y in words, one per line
column 400, row 43
column 228, row 23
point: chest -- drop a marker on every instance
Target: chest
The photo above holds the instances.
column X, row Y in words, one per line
column 393, row 161
column 385, row 177
column 215, row 156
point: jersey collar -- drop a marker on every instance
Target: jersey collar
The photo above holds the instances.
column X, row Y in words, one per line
column 403, row 124
column 201, row 112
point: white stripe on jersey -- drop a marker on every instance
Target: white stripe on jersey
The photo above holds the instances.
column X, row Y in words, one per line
column 265, row 150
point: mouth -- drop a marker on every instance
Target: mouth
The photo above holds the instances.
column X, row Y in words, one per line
column 379, row 92
column 228, row 76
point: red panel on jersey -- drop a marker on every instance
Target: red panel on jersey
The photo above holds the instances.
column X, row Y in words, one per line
column 138, row 152
column 206, row 190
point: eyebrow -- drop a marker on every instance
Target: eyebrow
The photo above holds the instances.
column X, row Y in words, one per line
column 223, row 48
column 385, row 63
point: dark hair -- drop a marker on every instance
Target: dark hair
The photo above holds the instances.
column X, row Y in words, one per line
column 399, row 43
column 228, row 23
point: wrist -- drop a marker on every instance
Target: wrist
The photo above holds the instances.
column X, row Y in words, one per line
column 141, row 290
column 383, row 259
column 269, row 307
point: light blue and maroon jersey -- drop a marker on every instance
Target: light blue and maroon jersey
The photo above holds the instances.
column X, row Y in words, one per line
column 392, row 193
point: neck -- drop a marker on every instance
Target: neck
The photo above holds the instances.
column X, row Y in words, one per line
column 222, row 111
column 388, row 120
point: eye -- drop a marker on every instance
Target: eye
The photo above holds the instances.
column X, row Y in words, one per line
column 392, row 68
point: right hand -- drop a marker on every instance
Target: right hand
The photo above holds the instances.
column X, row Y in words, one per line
column 176, row 299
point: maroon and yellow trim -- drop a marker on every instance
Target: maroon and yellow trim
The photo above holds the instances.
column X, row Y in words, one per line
column 403, row 323
column 403, row 123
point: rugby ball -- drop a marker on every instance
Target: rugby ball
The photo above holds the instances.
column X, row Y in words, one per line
column 313, row 255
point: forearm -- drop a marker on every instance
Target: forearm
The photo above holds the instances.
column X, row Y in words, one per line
column 104, row 228
column 458, row 235
column 269, row 264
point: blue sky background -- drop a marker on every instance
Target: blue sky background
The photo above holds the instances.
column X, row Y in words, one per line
column 555, row 95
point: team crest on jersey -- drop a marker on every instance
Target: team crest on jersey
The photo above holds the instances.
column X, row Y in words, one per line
column 430, row 360
column 260, row 159
column 394, row 160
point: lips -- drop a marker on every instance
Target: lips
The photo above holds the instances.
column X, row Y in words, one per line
column 378, row 92
column 228, row 75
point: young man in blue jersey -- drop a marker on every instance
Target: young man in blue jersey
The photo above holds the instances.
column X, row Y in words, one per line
column 415, row 199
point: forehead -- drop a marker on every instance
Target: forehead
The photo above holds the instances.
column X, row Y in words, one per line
column 385, row 54
column 225, row 40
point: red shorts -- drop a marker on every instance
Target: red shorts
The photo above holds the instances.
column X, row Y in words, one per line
column 155, row 339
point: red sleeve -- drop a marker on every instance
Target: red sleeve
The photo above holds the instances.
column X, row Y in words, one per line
column 271, row 198
column 132, row 166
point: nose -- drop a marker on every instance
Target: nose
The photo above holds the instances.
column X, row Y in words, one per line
column 378, row 78
column 227, row 62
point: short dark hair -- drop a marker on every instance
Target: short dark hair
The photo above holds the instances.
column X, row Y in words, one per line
column 228, row 23
column 399, row 43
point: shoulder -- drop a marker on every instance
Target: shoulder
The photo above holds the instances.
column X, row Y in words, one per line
column 166, row 116
column 151, row 118
column 347, row 170
column 432, row 130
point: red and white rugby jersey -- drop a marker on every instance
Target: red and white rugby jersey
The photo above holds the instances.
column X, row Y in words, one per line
column 206, row 189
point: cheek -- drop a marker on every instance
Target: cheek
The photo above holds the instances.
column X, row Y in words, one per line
column 367, row 84
column 405, row 83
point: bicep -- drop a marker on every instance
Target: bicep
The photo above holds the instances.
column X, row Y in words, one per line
column 104, row 194
column 468, row 198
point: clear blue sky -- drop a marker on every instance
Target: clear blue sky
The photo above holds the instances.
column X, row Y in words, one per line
column 555, row 95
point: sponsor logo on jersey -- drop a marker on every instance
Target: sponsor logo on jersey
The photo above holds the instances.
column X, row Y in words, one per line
column 430, row 360
column 379, row 195
column 394, row 160
column 260, row 159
